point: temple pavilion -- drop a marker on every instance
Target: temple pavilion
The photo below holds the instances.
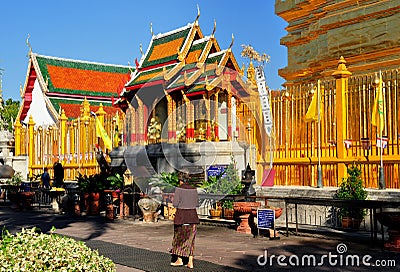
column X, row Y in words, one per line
column 54, row 85
column 187, row 92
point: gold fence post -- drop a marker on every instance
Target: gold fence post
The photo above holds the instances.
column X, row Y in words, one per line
column 100, row 115
column 342, row 79
column 17, row 129
column 31, row 154
column 63, row 120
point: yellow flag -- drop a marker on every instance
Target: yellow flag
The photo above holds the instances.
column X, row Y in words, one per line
column 312, row 111
column 101, row 132
column 377, row 119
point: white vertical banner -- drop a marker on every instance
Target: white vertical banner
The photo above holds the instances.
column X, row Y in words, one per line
column 264, row 100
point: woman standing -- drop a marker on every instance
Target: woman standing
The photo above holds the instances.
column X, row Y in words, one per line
column 185, row 201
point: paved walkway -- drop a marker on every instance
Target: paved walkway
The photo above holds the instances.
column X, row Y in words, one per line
column 137, row 246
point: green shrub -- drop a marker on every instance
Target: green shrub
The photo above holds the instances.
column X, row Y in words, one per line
column 166, row 181
column 29, row 250
column 352, row 189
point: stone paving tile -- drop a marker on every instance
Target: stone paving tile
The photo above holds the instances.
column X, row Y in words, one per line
column 218, row 245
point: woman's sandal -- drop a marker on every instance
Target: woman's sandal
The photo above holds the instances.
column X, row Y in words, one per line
column 178, row 262
column 190, row 263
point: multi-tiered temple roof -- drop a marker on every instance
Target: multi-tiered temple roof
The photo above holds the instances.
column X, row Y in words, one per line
column 56, row 84
column 184, row 59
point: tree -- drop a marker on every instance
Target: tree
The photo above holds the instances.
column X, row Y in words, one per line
column 9, row 113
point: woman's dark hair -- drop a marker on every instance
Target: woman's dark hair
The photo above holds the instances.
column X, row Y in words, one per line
column 183, row 176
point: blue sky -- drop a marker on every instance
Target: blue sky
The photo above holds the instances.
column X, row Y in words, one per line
column 110, row 31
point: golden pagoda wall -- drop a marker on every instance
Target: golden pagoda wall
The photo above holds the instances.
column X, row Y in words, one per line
column 365, row 32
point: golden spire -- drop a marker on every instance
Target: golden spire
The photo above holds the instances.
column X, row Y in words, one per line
column 241, row 72
column 29, row 45
column 141, row 49
column 251, row 74
column 230, row 46
column 151, row 29
column 196, row 22
column 214, row 29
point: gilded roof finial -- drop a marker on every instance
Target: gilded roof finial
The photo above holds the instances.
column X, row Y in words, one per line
column 151, row 29
column 198, row 15
column 214, row 29
column 130, row 67
column 141, row 49
column 241, row 72
column 29, row 45
column 230, row 46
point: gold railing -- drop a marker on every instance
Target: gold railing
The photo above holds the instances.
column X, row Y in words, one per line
column 72, row 142
column 296, row 142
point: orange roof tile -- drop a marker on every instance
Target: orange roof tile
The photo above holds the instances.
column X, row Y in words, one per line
column 165, row 49
column 88, row 80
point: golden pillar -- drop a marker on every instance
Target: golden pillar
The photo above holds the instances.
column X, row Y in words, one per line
column 73, row 140
column 18, row 138
column 141, row 132
column 63, row 121
column 133, row 134
column 173, row 128
column 207, row 104
column 31, row 128
column 342, row 76
column 229, row 113
column 216, row 130
column 171, row 119
column 100, row 113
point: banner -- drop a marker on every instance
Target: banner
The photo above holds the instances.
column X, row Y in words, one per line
column 101, row 132
column 377, row 119
column 264, row 99
column 381, row 142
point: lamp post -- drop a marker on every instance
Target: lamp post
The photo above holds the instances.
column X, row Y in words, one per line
column 249, row 130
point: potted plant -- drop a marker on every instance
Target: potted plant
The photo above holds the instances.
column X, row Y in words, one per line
column 228, row 209
column 352, row 188
column 83, row 184
column 116, row 181
column 13, row 187
column 225, row 183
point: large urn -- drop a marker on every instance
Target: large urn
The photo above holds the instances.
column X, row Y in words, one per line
column 391, row 219
column 244, row 210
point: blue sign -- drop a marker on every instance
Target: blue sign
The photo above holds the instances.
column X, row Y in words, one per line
column 265, row 218
column 215, row 170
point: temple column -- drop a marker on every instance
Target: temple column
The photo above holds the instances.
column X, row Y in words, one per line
column 18, row 138
column 141, row 113
column 31, row 127
column 171, row 123
column 173, row 127
column 229, row 113
column 73, row 143
column 208, row 117
column 189, row 118
column 216, row 130
column 63, row 123
column 342, row 79
column 100, row 115
column 132, row 129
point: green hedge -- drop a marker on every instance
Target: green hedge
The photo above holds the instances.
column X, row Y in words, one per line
column 30, row 250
